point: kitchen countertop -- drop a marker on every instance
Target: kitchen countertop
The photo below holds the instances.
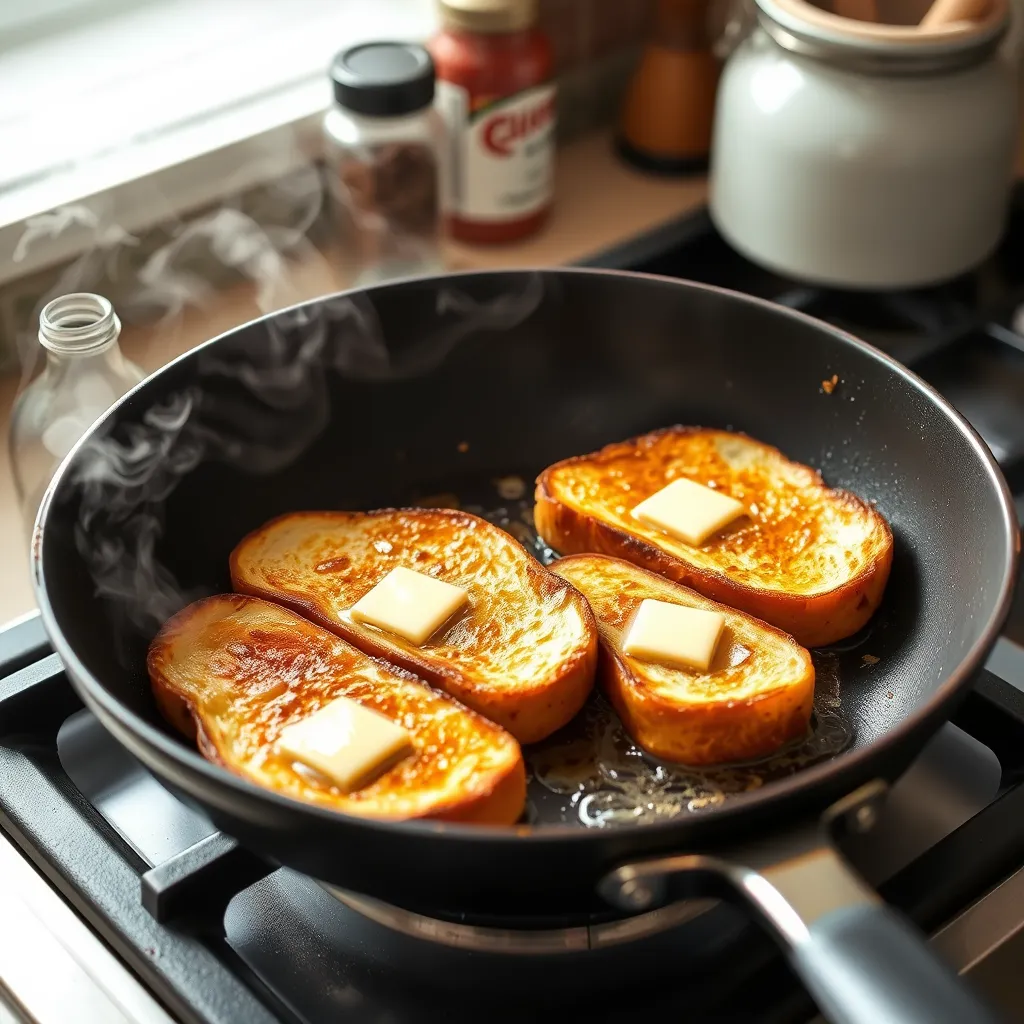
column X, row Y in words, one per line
column 599, row 203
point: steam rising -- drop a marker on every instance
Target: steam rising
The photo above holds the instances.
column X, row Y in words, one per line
column 255, row 403
column 275, row 405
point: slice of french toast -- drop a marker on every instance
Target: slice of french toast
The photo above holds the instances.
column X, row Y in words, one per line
column 234, row 671
column 522, row 653
column 756, row 695
column 805, row 557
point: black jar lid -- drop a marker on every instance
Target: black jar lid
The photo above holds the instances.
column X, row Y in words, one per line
column 383, row 79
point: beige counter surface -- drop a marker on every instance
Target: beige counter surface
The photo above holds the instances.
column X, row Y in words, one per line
column 600, row 202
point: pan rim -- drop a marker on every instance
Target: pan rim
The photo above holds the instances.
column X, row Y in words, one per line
column 923, row 722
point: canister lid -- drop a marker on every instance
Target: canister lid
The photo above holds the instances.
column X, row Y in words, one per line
column 383, row 79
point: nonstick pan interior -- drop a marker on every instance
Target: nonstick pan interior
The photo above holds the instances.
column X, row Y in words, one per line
column 464, row 386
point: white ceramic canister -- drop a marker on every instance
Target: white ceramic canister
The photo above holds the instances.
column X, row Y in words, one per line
column 864, row 155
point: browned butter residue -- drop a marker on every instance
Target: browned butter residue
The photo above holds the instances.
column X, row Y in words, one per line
column 610, row 781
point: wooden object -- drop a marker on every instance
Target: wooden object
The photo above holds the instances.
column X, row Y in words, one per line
column 858, row 10
column 949, row 12
column 908, row 34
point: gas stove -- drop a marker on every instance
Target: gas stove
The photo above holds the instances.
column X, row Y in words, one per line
column 118, row 904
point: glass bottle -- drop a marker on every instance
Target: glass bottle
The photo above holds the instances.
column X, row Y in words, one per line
column 84, row 374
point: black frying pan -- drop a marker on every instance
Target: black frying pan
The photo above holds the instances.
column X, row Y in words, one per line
column 408, row 390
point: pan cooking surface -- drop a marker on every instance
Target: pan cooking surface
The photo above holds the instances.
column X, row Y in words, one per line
column 590, row 773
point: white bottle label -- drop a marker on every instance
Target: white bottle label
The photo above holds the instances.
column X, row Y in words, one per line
column 500, row 161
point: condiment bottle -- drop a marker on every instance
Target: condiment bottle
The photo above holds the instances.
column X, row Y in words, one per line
column 84, row 374
column 384, row 142
column 497, row 94
column 669, row 105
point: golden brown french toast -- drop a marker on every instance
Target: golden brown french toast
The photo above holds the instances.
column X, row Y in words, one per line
column 756, row 696
column 523, row 651
column 234, row 671
column 807, row 558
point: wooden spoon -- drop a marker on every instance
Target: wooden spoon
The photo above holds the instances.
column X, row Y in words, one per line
column 946, row 12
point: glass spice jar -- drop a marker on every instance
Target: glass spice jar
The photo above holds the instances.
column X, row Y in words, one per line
column 384, row 144
column 84, row 374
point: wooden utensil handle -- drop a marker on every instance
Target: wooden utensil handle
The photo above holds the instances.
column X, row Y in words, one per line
column 946, row 12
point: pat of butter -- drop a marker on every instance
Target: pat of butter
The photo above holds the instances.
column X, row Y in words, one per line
column 688, row 510
column 347, row 743
column 409, row 604
column 673, row 634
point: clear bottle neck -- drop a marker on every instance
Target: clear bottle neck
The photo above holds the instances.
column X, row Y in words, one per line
column 84, row 374
column 79, row 324
column 80, row 330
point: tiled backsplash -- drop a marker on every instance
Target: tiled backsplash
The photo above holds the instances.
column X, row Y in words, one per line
column 596, row 43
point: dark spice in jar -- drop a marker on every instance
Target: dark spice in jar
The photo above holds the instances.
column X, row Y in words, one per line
column 398, row 182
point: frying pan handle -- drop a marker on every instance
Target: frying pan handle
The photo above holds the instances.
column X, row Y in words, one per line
column 866, row 963
column 861, row 962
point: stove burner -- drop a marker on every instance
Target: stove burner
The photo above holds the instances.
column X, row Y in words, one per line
column 908, row 325
column 519, row 941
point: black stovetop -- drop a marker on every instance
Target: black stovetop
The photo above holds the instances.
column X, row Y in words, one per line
column 220, row 936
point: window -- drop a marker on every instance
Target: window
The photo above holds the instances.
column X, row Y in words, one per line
column 98, row 95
